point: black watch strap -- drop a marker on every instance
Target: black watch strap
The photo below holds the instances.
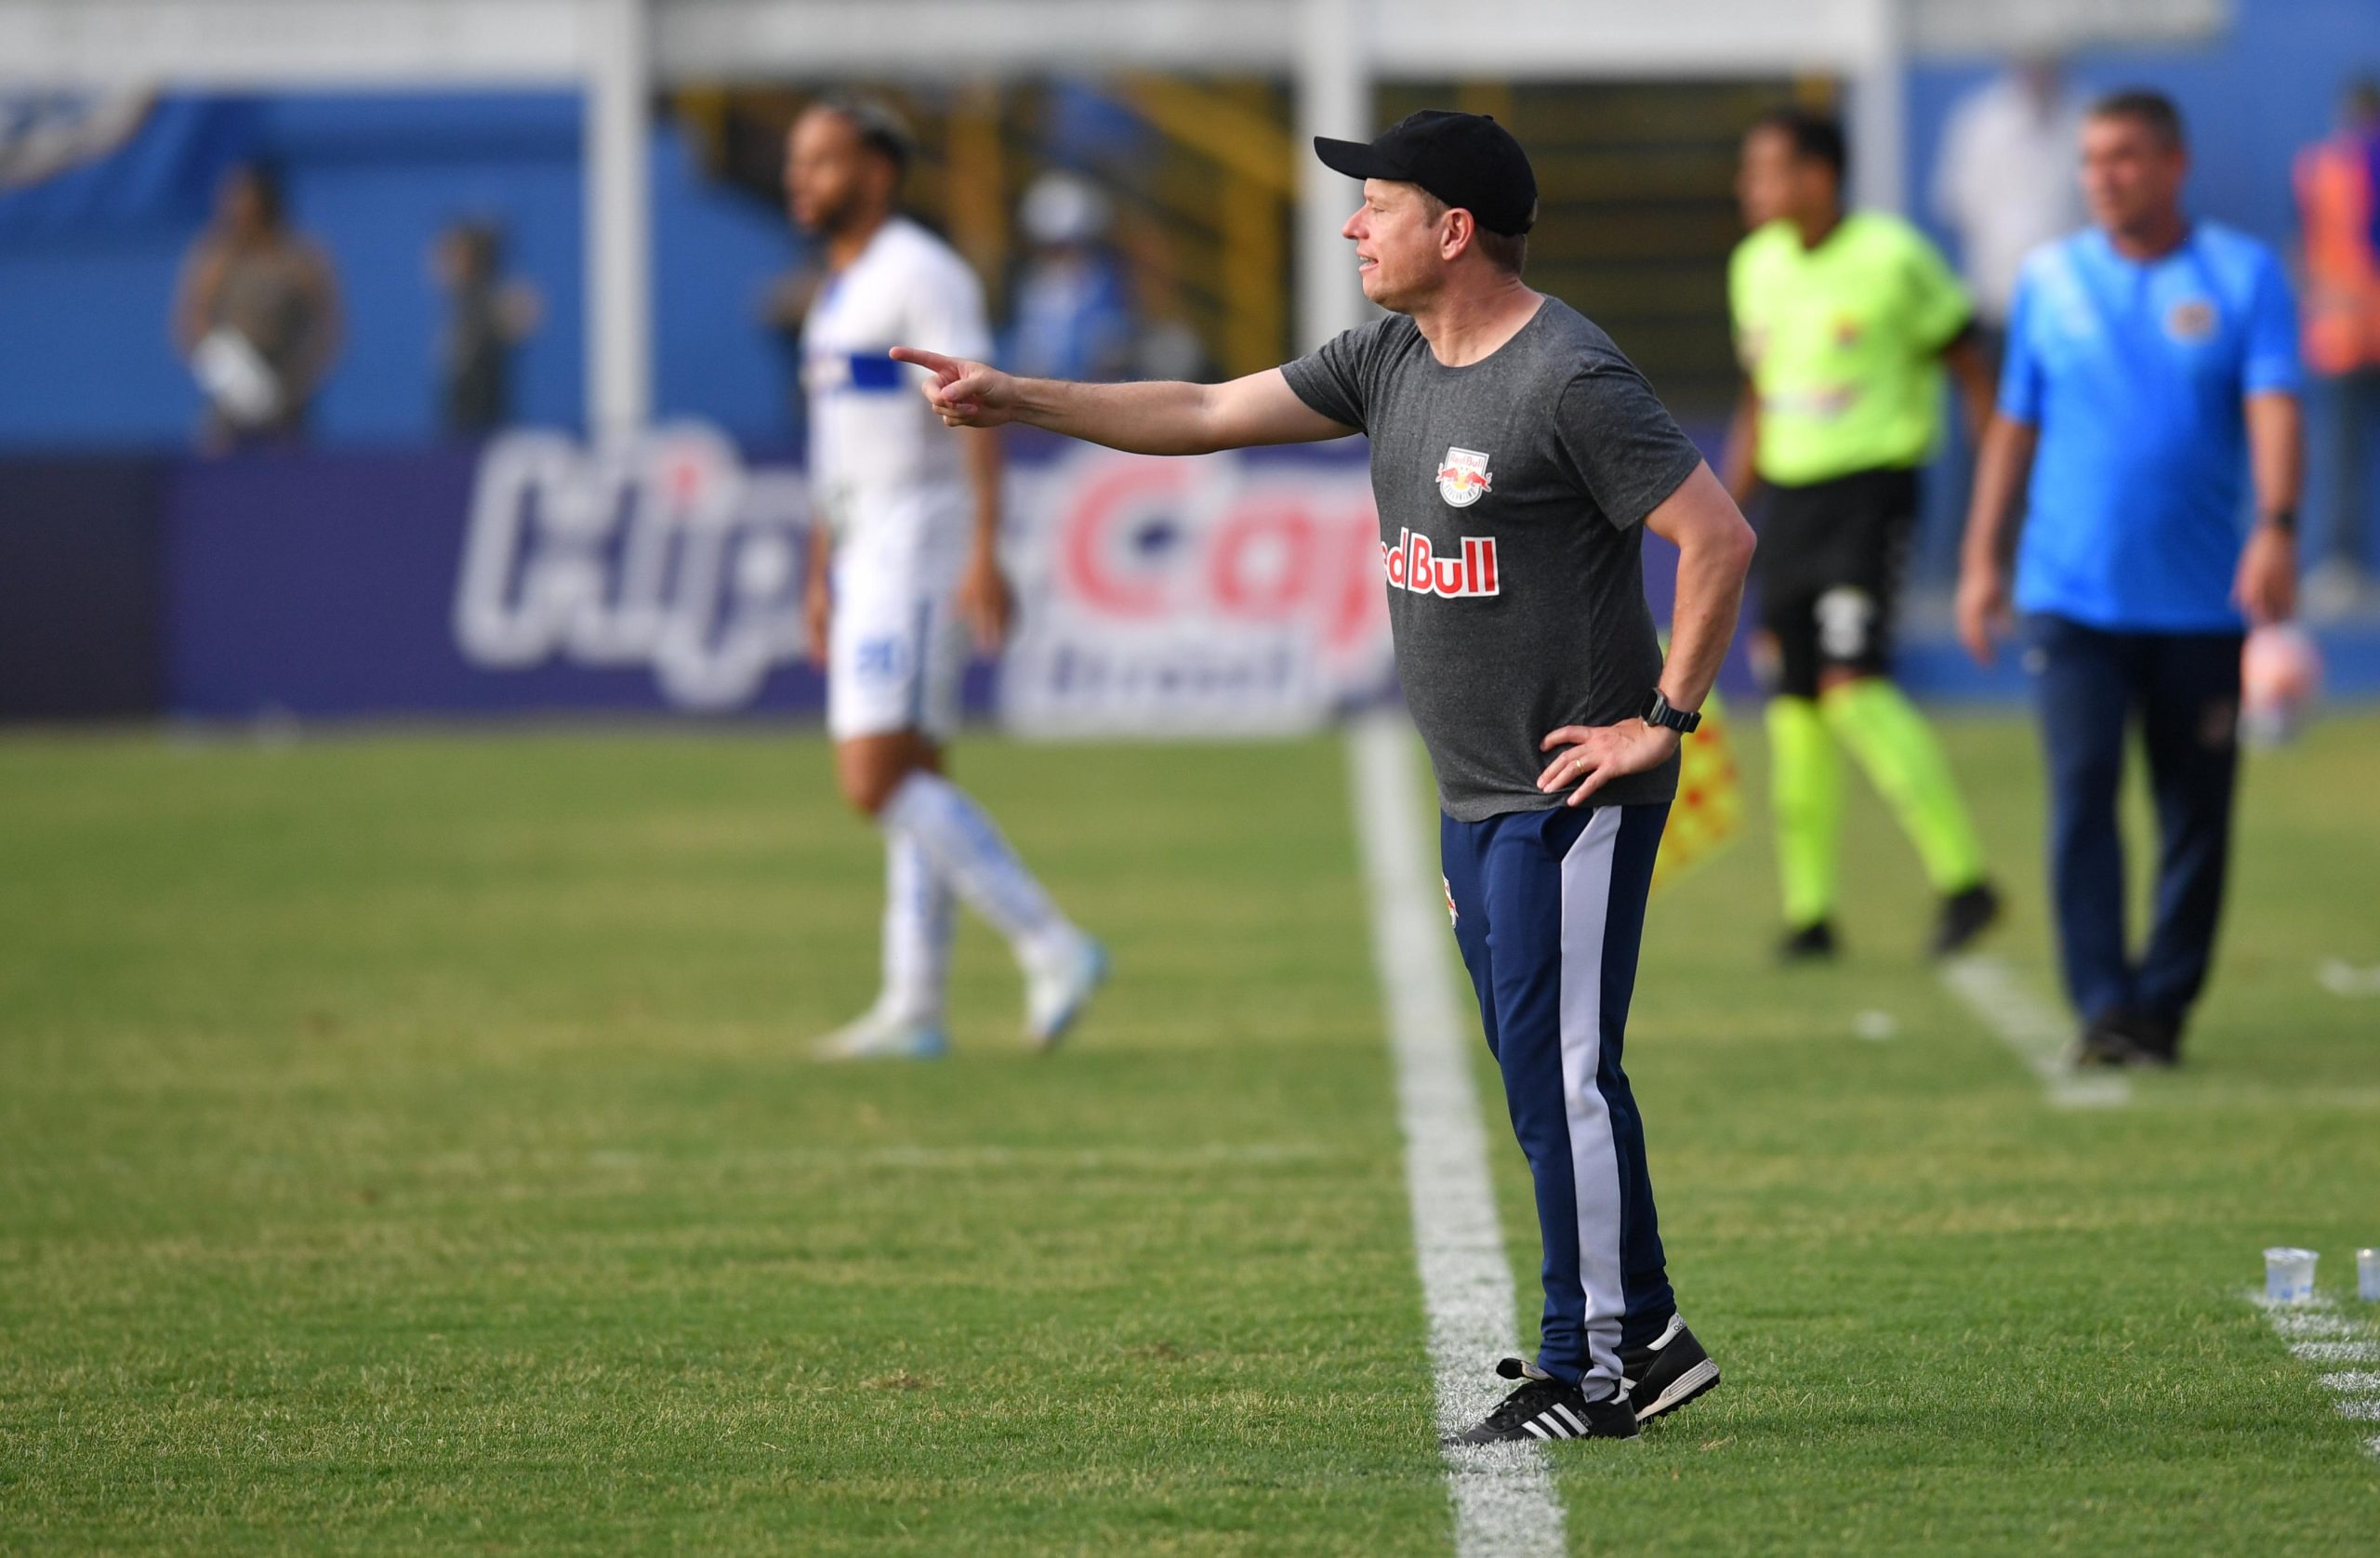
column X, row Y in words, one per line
column 1659, row 712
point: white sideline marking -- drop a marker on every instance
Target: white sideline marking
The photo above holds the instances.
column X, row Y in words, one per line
column 2343, row 978
column 2337, row 1352
column 2358, row 1389
column 2032, row 1029
column 1505, row 1505
column 2354, row 1381
column 2314, row 1324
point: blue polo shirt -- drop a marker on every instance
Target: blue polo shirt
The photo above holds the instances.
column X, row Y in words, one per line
column 2134, row 375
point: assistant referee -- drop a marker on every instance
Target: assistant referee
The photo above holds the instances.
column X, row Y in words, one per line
column 1843, row 321
column 1517, row 459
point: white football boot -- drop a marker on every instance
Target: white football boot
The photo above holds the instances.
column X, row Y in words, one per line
column 881, row 1034
column 1058, row 987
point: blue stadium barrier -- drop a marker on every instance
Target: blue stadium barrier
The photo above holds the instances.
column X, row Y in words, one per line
column 81, row 579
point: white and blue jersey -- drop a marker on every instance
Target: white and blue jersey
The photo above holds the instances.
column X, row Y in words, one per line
column 2134, row 375
column 890, row 479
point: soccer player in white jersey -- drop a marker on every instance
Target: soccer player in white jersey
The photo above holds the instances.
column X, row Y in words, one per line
column 903, row 563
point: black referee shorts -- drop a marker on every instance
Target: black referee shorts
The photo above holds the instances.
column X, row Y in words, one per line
column 1830, row 567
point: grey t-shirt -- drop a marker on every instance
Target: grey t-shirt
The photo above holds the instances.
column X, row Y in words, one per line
column 1512, row 493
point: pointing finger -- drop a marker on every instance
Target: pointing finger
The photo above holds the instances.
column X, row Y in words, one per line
column 944, row 368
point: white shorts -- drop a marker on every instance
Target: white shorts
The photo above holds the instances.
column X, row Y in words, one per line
column 896, row 654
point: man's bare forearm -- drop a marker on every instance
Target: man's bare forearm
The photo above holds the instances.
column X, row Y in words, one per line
column 1710, row 593
column 2276, row 453
column 986, row 464
column 1158, row 418
column 1739, row 462
column 1972, row 374
column 1714, row 547
column 2000, row 469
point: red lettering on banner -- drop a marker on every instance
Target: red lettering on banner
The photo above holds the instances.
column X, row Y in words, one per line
column 1262, row 562
column 1088, row 549
column 1358, row 609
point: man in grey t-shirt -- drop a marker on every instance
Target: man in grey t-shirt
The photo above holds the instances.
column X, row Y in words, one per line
column 1517, row 459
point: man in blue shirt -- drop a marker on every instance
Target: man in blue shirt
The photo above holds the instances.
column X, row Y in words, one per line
column 2150, row 383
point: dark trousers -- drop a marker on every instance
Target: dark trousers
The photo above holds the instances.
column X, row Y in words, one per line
column 1549, row 910
column 2182, row 691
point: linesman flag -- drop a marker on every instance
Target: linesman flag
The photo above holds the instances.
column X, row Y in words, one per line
column 1710, row 809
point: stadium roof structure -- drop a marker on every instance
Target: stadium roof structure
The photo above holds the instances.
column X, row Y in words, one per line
column 1334, row 50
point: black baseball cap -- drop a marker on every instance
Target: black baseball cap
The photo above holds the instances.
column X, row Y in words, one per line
column 1464, row 159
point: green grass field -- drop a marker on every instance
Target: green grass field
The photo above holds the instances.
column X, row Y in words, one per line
column 406, row 1145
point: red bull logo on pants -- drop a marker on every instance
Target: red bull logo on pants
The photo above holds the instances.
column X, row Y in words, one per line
column 1413, row 565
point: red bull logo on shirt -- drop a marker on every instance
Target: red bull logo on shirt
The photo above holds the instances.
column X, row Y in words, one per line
column 1413, row 565
column 1464, row 478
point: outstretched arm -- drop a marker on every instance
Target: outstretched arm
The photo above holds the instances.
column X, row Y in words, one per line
column 1163, row 418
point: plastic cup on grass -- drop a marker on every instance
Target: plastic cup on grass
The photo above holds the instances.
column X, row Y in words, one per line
column 2288, row 1276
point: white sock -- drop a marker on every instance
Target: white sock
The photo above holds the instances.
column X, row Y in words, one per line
column 967, row 851
column 919, row 917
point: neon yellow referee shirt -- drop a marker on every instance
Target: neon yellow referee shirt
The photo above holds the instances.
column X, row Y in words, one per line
column 1844, row 345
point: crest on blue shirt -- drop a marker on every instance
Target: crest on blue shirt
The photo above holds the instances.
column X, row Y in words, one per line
column 2191, row 320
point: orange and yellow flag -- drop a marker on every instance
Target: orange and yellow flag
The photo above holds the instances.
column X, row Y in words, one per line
column 1710, row 807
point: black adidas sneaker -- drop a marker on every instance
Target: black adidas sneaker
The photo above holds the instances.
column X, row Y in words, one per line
column 1545, row 1408
column 1668, row 1374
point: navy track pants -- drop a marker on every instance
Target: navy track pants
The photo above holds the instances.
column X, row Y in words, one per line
column 1549, row 909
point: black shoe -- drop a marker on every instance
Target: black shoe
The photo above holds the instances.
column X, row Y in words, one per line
column 2098, row 1044
column 1666, row 1375
column 1812, row 943
column 2157, row 1040
column 1545, row 1408
column 2143, row 1038
column 1966, row 914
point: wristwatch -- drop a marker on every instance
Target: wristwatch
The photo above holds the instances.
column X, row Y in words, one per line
column 1659, row 712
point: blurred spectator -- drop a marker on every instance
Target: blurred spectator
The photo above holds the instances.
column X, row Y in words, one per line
column 2005, row 182
column 487, row 317
column 1072, row 315
column 2339, row 200
column 258, row 315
